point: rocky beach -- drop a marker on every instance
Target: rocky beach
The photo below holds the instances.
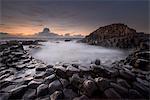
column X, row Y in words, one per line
column 24, row 77
column 74, row 50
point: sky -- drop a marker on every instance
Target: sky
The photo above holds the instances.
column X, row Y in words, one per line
column 27, row 17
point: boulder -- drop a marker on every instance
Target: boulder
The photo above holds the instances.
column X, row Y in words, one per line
column 97, row 62
column 102, row 83
column 141, row 89
column 76, row 81
column 142, row 64
column 57, row 95
column 29, row 94
column 133, row 94
column 4, row 96
column 123, row 83
column 121, row 90
column 83, row 97
column 50, row 78
column 61, row 72
column 69, row 94
column 55, row 86
column 42, row 90
column 33, row 84
column 89, row 88
column 17, row 92
column 110, row 93
column 127, row 75
column 64, row 82
column 41, row 68
column 70, row 70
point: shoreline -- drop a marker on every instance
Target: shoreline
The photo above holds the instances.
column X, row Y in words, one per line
column 69, row 81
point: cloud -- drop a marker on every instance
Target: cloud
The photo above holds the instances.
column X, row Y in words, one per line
column 72, row 16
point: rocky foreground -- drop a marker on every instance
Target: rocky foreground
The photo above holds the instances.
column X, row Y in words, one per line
column 24, row 77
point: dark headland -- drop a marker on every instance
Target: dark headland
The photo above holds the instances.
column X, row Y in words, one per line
column 23, row 77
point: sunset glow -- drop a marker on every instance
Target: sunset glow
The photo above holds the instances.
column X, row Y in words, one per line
column 73, row 17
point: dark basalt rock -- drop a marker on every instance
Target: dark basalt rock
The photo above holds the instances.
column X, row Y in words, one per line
column 41, row 68
column 121, row 90
column 23, row 77
column 111, row 94
column 69, row 94
column 102, row 83
column 123, row 83
column 83, row 97
column 141, row 89
column 30, row 94
column 127, row 75
column 116, row 35
column 88, row 88
column 50, row 78
column 133, row 94
column 55, row 86
column 42, row 90
column 57, row 95
column 17, row 92
column 97, row 62
column 33, row 84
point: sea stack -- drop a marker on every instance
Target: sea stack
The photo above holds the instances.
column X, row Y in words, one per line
column 46, row 32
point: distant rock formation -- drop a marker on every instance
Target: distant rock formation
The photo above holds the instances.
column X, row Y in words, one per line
column 47, row 32
column 115, row 35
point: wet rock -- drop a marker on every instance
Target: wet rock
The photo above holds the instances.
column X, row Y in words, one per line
column 55, row 86
column 17, row 92
column 49, row 71
column 121, row 90
column 47, row 97
column 142, row 64
column 41, row 68
column 64, row 82
column 88, row 88
column 4, row 96
column 49, row 66
column 102, row 83
column 98, row 70
column 70, row 70
column 8, row 88
column 76, row 81
column 75, row 65
column 33, row 84
column 5, row 76
column 31, row 66
column 61, row 72
column 127, row 75
column 4, row 84
column 42, row 90
column 29, row 94
column 69, row 94
column 123, row 83
column 141, row 88
column 83, row 97
column 133, row 94
column 57, row 95
column 144, row 82
column 39, row 75
column 97, row 62
column 49, row 79
column 111, row 94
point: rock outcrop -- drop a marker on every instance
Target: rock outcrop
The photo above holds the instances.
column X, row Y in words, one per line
column 18, row 80
column 116, row 35
column 47, row 33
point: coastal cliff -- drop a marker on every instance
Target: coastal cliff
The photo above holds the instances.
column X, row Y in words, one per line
column 116, row 35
